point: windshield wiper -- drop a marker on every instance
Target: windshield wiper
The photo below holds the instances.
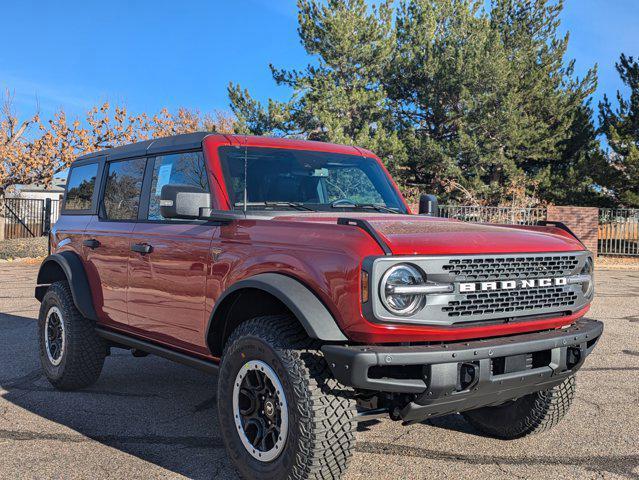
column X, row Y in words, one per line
column 349, row 204
column 295, row 205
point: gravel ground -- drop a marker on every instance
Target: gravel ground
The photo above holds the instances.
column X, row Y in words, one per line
column 149, row 418
column 23, row 248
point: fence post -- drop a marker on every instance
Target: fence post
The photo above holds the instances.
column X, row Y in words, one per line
column 46, row 223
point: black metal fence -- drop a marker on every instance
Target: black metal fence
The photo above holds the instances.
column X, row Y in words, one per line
column 27, row 217
column 507, row 215
column 618, row 231
column 618, row 227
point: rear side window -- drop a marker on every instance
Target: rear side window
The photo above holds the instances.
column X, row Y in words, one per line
column 178, row 168
column 122, row 189
column 80, row 187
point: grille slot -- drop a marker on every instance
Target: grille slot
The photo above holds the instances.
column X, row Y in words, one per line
column 487, row 303
column 505, row 268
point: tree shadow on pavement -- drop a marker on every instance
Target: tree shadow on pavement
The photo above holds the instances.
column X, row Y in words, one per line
column 158, row 411
column 166, row 414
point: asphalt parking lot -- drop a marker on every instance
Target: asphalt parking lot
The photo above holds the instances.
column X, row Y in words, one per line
column 149, row 418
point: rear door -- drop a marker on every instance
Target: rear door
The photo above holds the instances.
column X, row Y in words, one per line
column 166, row 293
column 107, row 243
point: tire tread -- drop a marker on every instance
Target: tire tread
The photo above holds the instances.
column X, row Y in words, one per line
column 327, row 409
column 85, row 350
column 537, row 413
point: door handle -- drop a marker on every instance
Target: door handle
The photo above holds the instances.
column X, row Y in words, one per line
column 142, row 248
column 91, row 243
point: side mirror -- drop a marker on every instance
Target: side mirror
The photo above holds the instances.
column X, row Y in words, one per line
column 183, row 201
column 428, row 205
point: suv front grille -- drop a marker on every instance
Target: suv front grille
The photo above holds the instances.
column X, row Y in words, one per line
column 511, row 301
column 505, row 268
column 490, row 302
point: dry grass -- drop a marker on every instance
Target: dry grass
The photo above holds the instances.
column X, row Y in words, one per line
column 617, row 263
column 23, row 248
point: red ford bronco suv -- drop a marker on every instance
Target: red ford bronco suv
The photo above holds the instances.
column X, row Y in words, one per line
column 295, row 270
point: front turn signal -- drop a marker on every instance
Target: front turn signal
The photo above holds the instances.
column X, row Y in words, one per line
column 365, row 286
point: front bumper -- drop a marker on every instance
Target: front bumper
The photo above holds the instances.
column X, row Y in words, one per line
column 454, row 377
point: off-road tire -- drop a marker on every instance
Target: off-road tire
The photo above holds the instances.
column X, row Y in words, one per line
column 321, row 433
column 530, row 414
column 84, row 351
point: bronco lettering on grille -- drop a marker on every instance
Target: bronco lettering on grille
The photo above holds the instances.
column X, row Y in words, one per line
column 511, row 284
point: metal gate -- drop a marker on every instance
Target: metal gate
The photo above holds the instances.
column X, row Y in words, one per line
column 27, row 217
column 619, row 231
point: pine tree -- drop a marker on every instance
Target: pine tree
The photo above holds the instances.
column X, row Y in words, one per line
column 487, row 100
column 340, row 98
column 460, row 98
column 621, row 128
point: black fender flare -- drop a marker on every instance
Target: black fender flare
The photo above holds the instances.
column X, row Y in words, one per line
column 313, row 315
column 71, row 265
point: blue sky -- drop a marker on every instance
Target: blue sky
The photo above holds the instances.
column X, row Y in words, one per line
column 150, row 54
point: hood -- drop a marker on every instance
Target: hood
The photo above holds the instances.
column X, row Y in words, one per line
column 416, row 234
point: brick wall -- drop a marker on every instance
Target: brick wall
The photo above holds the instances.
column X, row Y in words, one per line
column 583, row 221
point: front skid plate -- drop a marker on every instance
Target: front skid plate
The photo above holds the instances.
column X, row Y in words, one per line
column 437, row 391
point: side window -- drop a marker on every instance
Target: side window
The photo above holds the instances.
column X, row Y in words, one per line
column 80, row 187
column 178, row 168
column 122, row 189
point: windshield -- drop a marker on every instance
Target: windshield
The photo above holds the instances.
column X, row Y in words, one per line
column 278, row 179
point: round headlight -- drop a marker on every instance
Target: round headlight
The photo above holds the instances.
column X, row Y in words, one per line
column 589, row 269
column 401, row 304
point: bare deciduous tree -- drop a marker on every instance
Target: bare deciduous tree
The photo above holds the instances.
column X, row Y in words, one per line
column 14, row 159
column 33, row 151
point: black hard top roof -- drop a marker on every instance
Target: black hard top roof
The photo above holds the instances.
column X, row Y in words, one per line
column 185, row 141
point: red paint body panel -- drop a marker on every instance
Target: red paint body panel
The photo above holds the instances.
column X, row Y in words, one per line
column 422, row 235
column 71, row 236
column 219, row 193
column 107, row 269
column 327, row 259
column 368, row 332
column 168, row 295
column 166, row 291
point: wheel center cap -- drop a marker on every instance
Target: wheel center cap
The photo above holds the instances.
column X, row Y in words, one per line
column 269, row 408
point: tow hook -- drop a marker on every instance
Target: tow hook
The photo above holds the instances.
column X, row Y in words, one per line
column 467, row 376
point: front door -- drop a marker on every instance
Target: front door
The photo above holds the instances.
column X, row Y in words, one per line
column 107, row 243
column 168, row 269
